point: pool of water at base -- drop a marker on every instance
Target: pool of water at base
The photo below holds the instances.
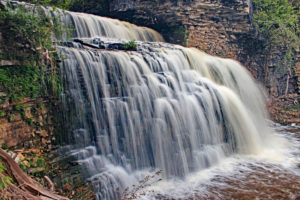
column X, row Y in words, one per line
column 274, row 174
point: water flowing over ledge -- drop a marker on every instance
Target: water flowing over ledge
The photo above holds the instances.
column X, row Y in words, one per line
column 160, row 107
column 81, row 25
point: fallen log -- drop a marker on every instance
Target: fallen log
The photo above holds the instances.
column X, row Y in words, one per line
column 26, row 186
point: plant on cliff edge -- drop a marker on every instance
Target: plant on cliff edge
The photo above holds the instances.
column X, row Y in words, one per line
column 277, row 22
column 131, row 45
column 20, row 81
column 24, row 34
column 26, row 41
column 4, row 180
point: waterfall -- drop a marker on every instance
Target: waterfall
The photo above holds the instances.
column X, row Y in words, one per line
column 89, row 26
column 161, row 107
column 81, row 25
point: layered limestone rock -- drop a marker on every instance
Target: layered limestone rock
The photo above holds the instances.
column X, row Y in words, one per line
column 218, row 27
column 25, row 123
column 213, row 26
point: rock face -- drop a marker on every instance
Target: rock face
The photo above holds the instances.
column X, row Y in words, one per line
column 26, row 126
column 285, row 109
column 217, row 27
column 210, row 25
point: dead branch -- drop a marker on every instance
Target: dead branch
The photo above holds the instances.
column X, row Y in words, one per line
column 50, row 183
column 26, row 184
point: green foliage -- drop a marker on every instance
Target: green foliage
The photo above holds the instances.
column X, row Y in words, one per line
column 277, row 22
column 26, row 40
column 295, row 107
column 2, row 168
column 10, row 118
column 29, row 121
column 4, row 180
column 20, row 81
column 288, row 108
column 40, row 162
column 23, row 167
column 24, row 34
column 181, row 35
column 2, row 113
column 64, row 4
column 131, row 45
column 93, row 6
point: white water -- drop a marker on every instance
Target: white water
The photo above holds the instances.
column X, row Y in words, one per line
column 166, row 108
column 271, row 174
column 81, row 25
column 163, row 107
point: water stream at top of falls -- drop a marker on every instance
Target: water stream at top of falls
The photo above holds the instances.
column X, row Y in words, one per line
column 81, row 25
column 161, row 107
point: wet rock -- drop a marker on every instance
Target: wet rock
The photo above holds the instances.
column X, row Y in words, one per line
column 116, row 46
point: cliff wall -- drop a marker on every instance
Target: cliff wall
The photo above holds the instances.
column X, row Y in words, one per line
column 26, row 123
column 218, row 27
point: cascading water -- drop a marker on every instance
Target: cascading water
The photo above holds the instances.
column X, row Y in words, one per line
column 80, row 25
column 162, row 107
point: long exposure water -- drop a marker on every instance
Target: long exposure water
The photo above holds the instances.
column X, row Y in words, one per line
column 274, row 174
column 198, row 119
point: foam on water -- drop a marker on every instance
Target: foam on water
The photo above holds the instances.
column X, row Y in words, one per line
column 198, row 118
column 276, row 169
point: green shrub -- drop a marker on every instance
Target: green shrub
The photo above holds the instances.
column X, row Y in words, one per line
column 23, row 167
column 26, row 39
column 2, row 168
column 40, row 162
column 10, row 118
column 288, row 108
column 2, row 114
column 4, row 180
column 296, row 107
column 20, row 81
column 29, row 121
column 131, row 45
column 25, row 35
column 92, row 6
column 277, row 21
column 20, row 107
